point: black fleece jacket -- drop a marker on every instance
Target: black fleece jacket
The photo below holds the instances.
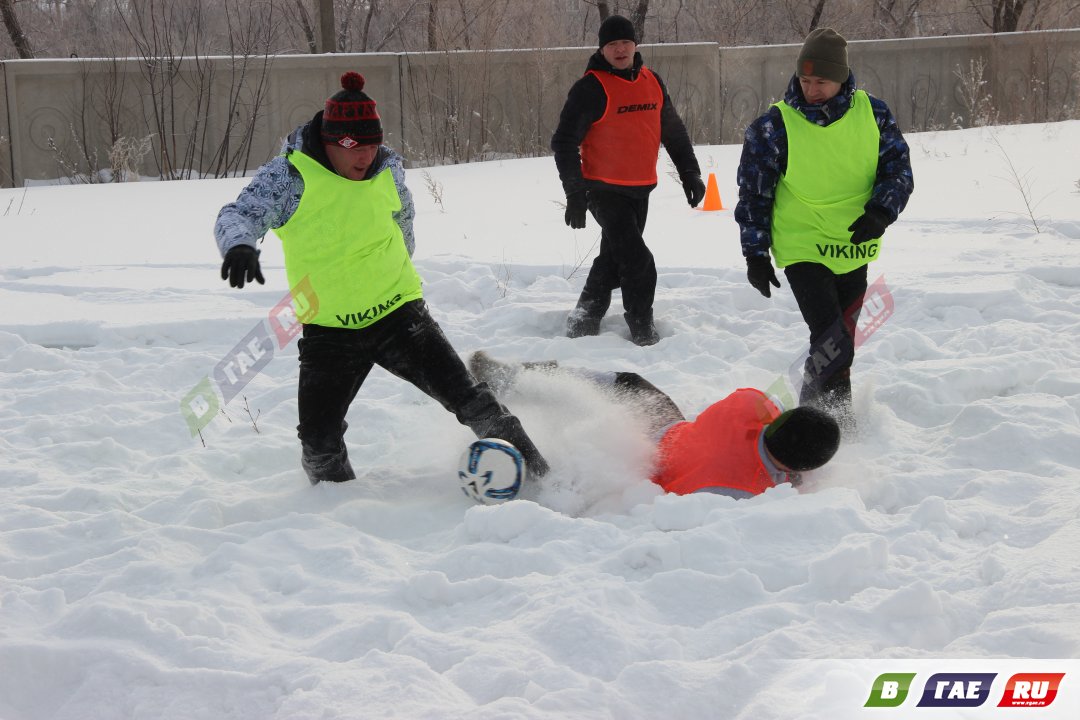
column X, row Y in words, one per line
column 586, row 103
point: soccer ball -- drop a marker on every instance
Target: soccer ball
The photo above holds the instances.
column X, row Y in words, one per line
column 491, row 471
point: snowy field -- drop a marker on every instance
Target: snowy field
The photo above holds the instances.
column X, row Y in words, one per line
column 149, row 574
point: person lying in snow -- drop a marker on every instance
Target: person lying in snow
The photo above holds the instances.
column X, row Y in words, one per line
column 337, row 198
column 739, row 446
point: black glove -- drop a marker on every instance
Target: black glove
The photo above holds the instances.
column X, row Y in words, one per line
column 241, row 264
column 870, row 226
column 759, row 271
column 693, row 187
column 576, row 203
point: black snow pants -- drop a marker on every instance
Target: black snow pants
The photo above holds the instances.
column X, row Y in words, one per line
column 830, row 305
column 624, row 260
column 334, row 362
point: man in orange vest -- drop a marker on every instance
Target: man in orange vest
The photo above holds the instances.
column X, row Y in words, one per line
column 739, row 446
column 606, row 146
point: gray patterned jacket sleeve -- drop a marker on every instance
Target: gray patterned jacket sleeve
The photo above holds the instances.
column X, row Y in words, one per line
column 268, row 201
column 403, row 217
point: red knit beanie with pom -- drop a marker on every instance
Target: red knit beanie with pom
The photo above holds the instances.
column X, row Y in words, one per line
column 350, row 117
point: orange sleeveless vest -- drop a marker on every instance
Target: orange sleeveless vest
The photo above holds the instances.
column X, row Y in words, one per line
column 621, row 147
column 719, row 448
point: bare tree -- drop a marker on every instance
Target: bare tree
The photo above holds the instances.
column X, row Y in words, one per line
column 302, row 18
column 637, row 16
column 327, row 34
column 249, row 58
column 183, row 97
column 796, row 12
column 346, row 15
column 433, row 25
column 466, row 24
column 397, row 27
column 15, row 31
column 638, row 19
column 728, row 22
column 94, row 28
column 815, row 19
column 1000, row 15
column 373, row 7
column 896, row 17
column 308, row 28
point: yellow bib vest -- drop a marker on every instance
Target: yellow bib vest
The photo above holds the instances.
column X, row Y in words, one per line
column 343, row 238
column 830, row 175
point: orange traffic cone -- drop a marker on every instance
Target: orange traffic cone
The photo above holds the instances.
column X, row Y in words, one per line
column 712, row 195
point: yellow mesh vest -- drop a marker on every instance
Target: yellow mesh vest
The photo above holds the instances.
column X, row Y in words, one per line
column 343, row 238
column 830, row 175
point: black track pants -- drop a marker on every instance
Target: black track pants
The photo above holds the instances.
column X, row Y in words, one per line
column 624, row 260
column 830, row 305
column 334, row 362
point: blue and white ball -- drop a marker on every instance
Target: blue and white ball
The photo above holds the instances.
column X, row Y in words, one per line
column 491, row 471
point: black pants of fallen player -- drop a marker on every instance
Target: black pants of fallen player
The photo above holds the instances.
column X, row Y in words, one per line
column 830, row 305
column 334, row 362
column 624, row 260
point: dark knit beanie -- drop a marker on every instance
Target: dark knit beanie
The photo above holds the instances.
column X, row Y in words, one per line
column 616, row 27
column 350, row 117
column 803, row 438
column 824, row 54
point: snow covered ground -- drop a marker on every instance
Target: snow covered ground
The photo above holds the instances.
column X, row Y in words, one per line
column 144, row 574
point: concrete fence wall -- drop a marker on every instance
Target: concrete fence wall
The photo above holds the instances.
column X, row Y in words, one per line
column 218, row 116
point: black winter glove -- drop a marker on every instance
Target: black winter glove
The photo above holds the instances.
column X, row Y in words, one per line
column 759, row 271
column 241, row 264
column 869, row 226
column 693, row 187
column 576, row 203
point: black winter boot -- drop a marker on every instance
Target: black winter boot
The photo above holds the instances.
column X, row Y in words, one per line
column 500, row 376
column 585, row 318
column 326, row 466
column 832, row 395
column 497, row 375
column 642, row 330
column 578, row 324
column 507, row 427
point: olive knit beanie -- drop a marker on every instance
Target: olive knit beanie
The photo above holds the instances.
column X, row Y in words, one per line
column 824, row 54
